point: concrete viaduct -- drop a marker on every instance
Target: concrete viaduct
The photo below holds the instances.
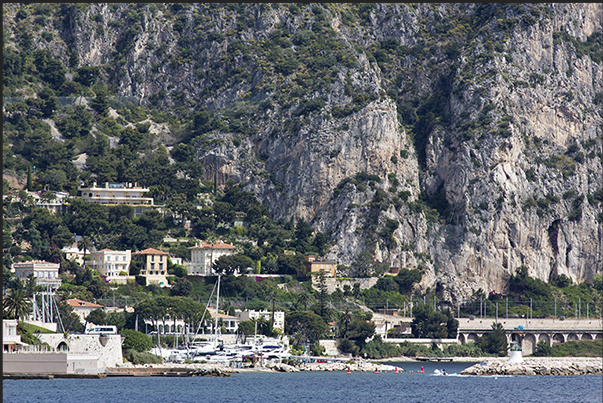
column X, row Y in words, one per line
column 528, row 332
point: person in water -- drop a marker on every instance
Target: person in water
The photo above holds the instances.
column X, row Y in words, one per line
column 444, row 372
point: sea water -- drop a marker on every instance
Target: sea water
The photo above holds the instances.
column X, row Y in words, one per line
column 315, row 387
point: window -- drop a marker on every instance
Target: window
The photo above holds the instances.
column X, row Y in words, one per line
column 152, row 266
column 152, row 258
column 161, row 266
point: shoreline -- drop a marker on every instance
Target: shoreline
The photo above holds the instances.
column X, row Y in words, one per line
column 485, row 366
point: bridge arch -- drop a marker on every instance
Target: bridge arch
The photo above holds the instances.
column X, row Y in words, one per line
column 599, row 336
column 62, row 346
column 558, row 338
column 586, row 336
column 544, row 337
column 572, row 337
column 471, row 337
column 529, row 344
column 461, row 338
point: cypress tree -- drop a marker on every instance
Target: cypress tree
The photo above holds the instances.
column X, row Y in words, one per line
column 29, row 184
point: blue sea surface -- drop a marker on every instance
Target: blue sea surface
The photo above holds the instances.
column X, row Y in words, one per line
column 314, row 387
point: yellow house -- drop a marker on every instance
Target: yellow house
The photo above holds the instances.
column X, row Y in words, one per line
column 313, row 266
column 155, row 265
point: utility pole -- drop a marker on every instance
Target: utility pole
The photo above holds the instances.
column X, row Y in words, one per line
column 507, row 308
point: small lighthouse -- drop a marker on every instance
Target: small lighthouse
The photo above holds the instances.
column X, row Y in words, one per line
column 515, row 353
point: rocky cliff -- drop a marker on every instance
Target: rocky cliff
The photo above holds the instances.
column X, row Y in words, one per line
column 462, row 139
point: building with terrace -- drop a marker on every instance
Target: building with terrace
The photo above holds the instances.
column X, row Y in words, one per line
column 114, row 265
column 113, row 193
column 45, row 273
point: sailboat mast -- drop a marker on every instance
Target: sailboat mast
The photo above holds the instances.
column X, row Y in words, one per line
column 216, row 319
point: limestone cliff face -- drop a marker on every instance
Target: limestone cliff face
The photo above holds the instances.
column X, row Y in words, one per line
column 496, row 196
column 490, row 156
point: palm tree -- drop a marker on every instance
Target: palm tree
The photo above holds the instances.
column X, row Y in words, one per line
column 303, row 299
column 345, row 320
column 84, row 244
column 17, row 305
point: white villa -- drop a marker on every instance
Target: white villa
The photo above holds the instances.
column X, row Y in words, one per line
column 230, row 323
column 45, row 273
column 11, row 341
column 279, row 317
column 73, row 253
column 113, row 264
column 118, row 193
column 204, row 255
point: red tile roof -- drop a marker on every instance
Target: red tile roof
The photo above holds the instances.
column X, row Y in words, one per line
column 150, row 251
column 76, row 303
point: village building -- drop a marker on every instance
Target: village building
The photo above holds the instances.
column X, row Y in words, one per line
column 279, row 317
column 75, row 254
column 113, row 193
column 315, row 267
column 154, row 266
column 203, row 256
column 45, row 273
column 114, row 265
column 11, row 341
column 230, row 323
column 83, row 308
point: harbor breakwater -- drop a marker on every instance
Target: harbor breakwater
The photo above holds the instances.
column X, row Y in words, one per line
column 539, row 366
column 223, row 370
